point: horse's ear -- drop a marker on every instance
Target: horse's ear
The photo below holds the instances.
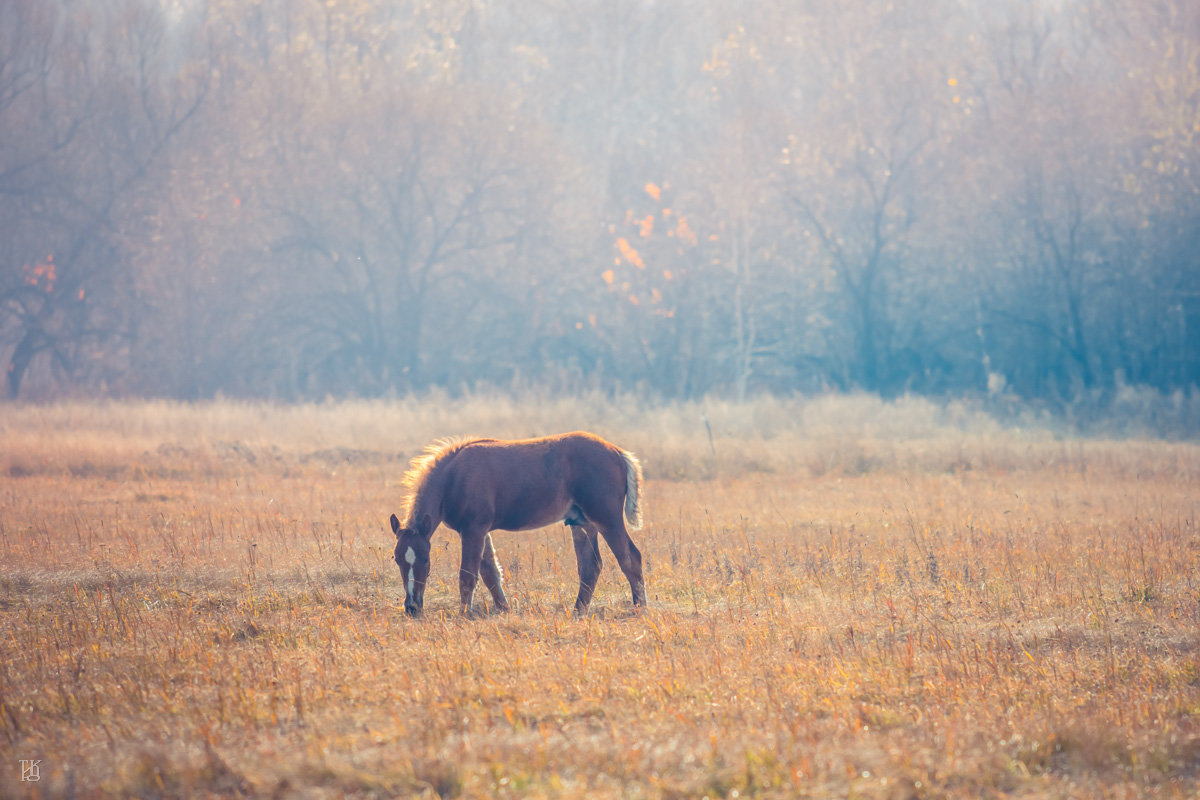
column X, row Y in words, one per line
column 395, row 525
column 425, row 526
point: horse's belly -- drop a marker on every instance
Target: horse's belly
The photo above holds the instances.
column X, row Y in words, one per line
column 528, row 519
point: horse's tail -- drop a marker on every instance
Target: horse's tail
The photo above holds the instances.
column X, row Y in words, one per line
column 633, row 489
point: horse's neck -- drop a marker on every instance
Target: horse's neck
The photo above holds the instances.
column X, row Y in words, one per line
column 428, row 500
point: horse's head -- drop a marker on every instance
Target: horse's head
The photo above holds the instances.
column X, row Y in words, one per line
column 412, row 556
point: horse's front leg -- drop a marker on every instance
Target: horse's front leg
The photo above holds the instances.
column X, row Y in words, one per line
column 493, row 576
column 468, row 572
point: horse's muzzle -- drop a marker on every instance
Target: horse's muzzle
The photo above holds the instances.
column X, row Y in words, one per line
column 412, row 609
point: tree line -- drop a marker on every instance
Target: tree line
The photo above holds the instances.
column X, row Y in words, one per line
column 303, row 198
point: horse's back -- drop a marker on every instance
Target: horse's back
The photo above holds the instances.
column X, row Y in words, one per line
column 566, row 456
column 574, row 447
column 574, row 440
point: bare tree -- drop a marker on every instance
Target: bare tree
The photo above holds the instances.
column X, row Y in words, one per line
column 105, row 114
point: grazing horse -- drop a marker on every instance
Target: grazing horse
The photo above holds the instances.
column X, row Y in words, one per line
column 476, row 486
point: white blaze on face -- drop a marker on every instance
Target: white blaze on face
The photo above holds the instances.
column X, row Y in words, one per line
column 410, row 557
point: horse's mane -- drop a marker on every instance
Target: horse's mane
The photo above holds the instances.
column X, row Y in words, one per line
column 423, row 467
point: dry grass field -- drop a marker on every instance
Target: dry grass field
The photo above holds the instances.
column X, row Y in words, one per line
column 848, row 599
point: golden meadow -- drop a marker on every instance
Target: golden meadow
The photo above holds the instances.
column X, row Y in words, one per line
column 849, row 598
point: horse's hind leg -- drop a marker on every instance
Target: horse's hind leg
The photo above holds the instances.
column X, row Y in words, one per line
column 628, row 556
column 489, row 570
column 587, row 557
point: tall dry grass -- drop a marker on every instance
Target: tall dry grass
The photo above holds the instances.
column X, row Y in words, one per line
column 689, row 440
column 849, row 598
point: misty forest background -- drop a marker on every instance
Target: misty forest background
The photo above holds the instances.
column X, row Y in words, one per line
column 296, row 199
